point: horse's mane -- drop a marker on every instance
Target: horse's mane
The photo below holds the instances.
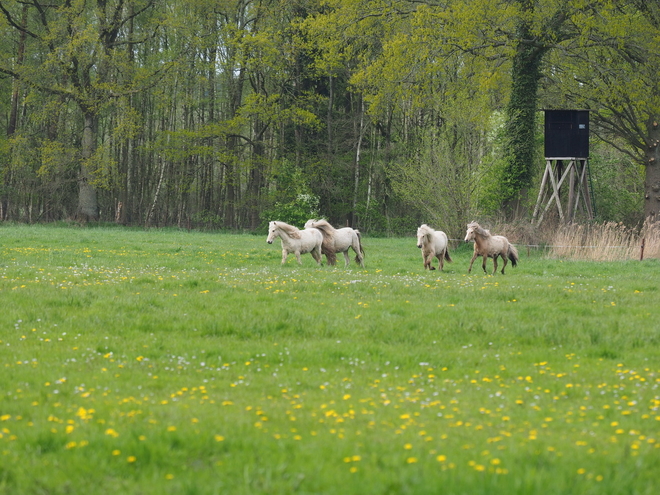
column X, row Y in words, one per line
column 479, row 229
column 289, row 230
column 425, row 230
column 324, row 226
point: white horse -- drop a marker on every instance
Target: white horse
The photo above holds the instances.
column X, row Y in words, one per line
column 433, row 243
column 338, row 241
column 296, row 241
column 490, row 246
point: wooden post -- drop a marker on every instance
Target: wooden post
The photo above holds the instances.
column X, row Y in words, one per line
column 572, row 199
column 641, row 251
column 548, row 170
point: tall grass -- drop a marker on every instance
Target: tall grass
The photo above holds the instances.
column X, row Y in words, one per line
column 180, row 362
column 609, row 241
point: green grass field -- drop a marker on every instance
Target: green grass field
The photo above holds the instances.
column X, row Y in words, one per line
column 158, row 362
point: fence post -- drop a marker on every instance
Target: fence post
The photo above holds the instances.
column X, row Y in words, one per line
column 641, row 251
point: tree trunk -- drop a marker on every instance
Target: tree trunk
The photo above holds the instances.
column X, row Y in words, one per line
column 13, row 115
column 125, row 207
column 652, row 180
column 358, row 163
column 521, row 120
column 88, row 208
column 232, row 183
column 331, row 103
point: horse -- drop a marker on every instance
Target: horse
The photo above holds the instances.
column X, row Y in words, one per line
column 490, row 246
column 433, row 243
column 296, row 241
column 338, row 241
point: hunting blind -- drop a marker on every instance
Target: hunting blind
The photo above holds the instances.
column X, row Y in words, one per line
column 566, row 157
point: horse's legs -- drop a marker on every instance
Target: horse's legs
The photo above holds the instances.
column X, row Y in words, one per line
column 474, row 257
column 494, row 264
column 483, row 264
column 347, row 259
column 505, row 261
column 298, row 257
column 441, row 260
column 316, row 254
column 284, row 255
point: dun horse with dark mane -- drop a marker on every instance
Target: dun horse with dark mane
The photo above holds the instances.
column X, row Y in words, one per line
column 338, row 241
column 490, row 246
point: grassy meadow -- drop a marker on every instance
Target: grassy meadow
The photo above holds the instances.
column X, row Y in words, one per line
column 172, row 362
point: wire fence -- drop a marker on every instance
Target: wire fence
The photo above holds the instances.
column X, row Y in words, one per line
column 636, row 248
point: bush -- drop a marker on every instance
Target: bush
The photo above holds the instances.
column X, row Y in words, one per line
column 295, row 212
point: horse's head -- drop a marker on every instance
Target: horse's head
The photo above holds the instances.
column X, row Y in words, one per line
column 471, row 231
column 273, row 232
column 422, row 233
column 309, row 224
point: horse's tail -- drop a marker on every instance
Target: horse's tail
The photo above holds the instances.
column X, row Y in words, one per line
column 359, row 257
column 447, row 257
column 513, row 255
column 328, row 249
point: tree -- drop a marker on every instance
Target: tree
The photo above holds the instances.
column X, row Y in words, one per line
column 489, row 37
column 74, row 54
column 615, row 74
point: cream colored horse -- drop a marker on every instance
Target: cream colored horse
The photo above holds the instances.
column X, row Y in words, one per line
column 296, row 241
column 338, row 241
column 490, row 246
column 433, row 244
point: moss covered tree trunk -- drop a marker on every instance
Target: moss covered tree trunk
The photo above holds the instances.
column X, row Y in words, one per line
column 521, row 124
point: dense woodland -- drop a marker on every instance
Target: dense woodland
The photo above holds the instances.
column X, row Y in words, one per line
column 378, row 114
